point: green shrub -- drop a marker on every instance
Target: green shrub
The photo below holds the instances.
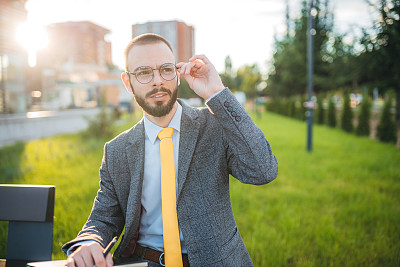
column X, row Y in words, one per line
column 363, row 127
column 331, row 113
column 347, row 115
column 387, row 125
column 320, row 118
column 103, row 123
column 291, row 107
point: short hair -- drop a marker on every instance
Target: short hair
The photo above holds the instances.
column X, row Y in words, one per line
column 143, row 39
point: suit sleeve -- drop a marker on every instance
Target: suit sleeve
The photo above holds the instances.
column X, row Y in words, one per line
column 249, row 154
column 105, row 220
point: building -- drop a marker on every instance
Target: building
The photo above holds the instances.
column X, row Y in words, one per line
column 78, row 45
column 75, row 67
column 179, row 34
column 13, row 57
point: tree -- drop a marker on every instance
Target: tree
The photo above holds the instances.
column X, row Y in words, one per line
column 185, row 91
column 288, row 73
column 250, row 76
column 102, row 125
column 331, row 113
column 320, row 110
column 380, row 60
column 227, row 76
column 344, row 71
column 387, row 126
column 347, row 115
column 363, row 126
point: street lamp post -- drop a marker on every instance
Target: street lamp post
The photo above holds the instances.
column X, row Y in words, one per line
column 310, row 51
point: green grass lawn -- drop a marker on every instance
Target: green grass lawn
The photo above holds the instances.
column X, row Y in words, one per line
column 336, row 206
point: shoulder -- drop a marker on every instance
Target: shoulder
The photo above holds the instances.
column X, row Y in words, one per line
column 127, row 137
column 195, row 113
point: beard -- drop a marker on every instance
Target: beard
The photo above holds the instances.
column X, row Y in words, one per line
column 160, row 109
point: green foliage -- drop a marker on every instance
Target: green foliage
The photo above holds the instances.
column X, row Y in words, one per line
column 363, row 126
column 347, row 115
column 331, row 113
column 249, row 77
column 288, row 74
column 291, row 107
column 379, row 62
column 228, row 81
column 227, row 76
column 71, row 163
column 102, row 125
column 387, row 131
column 10, row 158
column 320, row 110
column 185, row 91
column 344, row 71
column 341, row 197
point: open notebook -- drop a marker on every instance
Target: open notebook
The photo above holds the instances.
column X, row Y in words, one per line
column 62, row 263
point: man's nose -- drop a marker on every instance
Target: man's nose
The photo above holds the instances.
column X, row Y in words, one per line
column 157, row 79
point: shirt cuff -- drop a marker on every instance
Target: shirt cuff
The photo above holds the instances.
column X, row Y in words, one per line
column 211, row 97
column 76, row 245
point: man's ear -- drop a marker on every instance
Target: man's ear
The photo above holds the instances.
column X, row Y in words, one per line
column 125, row 80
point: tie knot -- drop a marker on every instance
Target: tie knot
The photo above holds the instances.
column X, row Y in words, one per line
column 166, row 133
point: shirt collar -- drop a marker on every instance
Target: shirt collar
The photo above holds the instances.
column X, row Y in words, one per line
column 152, row 129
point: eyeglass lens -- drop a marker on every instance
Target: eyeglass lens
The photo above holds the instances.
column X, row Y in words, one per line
column 146, row 74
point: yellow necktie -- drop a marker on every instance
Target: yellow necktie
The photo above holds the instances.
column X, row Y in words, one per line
column 172, row 244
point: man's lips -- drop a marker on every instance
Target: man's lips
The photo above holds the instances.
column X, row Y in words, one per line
column 159, row 95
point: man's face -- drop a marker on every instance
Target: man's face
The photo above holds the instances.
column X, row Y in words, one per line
column 157, row 97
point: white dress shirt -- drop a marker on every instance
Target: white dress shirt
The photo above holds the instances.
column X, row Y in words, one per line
column 151, row 229
column 150, row 233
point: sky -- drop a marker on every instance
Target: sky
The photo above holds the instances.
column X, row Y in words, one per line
column 242, row 29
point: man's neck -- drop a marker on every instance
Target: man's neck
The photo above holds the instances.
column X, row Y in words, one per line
column 164, row 120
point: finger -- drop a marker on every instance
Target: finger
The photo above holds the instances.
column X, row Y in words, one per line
column 180, row 64
column 81, row 262
column 188, row 78
column 98, row 257
column 202, row 57
column 182, row 70
column 70, row 262
column 83, row 256
column 109, row 260
column 197, row 64
column 189, row 68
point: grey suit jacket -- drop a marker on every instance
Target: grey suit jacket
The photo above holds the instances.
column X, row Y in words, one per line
column 214, row 143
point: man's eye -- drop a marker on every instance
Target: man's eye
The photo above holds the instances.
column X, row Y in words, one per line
column 144, row 72
column 167, row 69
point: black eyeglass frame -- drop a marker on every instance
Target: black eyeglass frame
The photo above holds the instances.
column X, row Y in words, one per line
column 134, row 73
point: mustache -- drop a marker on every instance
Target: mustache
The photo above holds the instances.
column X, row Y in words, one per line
column 156, row 90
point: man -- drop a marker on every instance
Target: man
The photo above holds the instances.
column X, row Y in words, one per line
column 208, row 146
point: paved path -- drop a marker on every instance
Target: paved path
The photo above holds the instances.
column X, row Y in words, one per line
column 34, row 125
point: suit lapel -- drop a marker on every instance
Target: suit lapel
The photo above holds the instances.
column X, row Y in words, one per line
column 135, row 157
column 187, row 143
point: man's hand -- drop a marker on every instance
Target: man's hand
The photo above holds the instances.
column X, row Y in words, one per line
column 89, row 255
column 201, row 76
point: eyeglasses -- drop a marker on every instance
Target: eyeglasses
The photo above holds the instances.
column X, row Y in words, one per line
column 145, row 74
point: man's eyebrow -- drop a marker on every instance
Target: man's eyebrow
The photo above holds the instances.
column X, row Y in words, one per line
column 157, row 66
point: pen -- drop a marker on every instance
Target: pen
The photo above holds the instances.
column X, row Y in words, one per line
column 109, row 246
